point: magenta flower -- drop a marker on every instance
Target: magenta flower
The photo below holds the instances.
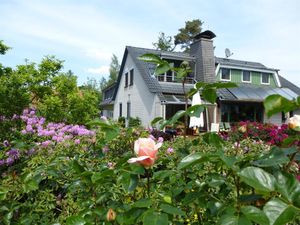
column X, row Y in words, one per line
column 77, row 141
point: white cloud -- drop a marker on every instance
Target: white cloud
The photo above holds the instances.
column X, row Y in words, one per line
column 102, row 70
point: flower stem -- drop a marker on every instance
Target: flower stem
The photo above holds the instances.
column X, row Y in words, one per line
column 148, row 182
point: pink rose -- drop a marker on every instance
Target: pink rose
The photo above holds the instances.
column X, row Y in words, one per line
column 146, row 150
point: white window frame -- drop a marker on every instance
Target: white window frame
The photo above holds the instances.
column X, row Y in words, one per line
column 261, row 78
column 222, row 74
column 246, row 81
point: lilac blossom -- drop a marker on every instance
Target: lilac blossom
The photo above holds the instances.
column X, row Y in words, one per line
column 13, row 153
column 77, row 141
column 9, row 161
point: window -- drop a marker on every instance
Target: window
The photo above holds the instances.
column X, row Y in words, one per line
column 246, row 76
column 131, row 77
column 126, row 79
column 128, row 110
column 120, row 110
column 265, row 78
column 225, row 74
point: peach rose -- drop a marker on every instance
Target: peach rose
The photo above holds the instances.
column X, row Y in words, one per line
column 294, row 122
column 146, row 150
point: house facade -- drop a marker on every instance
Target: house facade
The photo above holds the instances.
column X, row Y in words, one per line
column 140, row 93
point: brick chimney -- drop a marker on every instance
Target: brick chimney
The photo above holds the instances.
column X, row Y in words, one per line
column 203, row 50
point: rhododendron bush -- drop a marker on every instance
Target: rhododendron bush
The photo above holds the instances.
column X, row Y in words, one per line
column 58, row 173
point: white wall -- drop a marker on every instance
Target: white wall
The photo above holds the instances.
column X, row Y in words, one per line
column 144, row 104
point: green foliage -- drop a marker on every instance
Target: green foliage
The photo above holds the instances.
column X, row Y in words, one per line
column 185, row 35
column 114, row 69
column 164, row 43
column 134, row 122
column 3, row 48
column 276, row 103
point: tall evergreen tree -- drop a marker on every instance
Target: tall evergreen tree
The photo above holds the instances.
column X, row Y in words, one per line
column 113, row 69
column 185, row 36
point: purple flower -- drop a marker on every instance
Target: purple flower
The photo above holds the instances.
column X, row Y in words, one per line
column 160, row 140
column 170, row 150
column 77, row 141
column 46, row 143
column 30, row 152
column 6, row 143
column 9, row 161
column 14, row 153
column 111, row 165
column 2, row 162
column 152, row 137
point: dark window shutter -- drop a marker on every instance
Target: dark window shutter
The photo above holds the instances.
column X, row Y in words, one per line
column 128, row 110
column 120, row 110
column 126, row 79
column 131, row 77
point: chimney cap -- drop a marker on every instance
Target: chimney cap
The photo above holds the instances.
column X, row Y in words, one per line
column 205, row 34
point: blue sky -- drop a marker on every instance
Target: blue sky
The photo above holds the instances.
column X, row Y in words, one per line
column 86, row 33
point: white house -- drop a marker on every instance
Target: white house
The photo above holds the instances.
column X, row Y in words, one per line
column 138, row 93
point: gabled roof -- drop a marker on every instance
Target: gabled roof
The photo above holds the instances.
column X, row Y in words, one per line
column 287, row 84
column 161, row 88
column 147, row 70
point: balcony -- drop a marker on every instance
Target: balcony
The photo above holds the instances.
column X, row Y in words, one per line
column 173, row 79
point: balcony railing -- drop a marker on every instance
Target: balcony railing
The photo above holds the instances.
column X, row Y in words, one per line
column 173, row 79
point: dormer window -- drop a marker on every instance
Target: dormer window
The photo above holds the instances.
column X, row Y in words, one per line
column 225, row 74
column 246, row 77
column 265, row 78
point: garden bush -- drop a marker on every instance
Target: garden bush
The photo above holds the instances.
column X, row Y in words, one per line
column 58, row 173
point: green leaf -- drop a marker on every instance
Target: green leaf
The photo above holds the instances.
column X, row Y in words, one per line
column 255, row 214
column 156, row 120
column 152, row 58
column 77, row 167
column 142, row 203
column 219, row 85
column 215, row 180
column 191, row 160
column 173, row 119
column 195, row 110
column 209, row 94
column 155, row 218
column 230, row 219
column 133, row 182
column 288, row 186
column 258, row 179
column 162, row 68
column 171, row 210
column 275, row 157
column 99, row 176
column 3, row 192
column 278, row 212
column 75, row 220
column 276, row 103
column 213, row 139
